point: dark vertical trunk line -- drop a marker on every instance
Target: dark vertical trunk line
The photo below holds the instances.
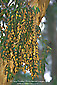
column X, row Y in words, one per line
column 52, row 37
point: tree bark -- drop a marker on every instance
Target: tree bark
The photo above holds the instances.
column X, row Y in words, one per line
column 52, row 36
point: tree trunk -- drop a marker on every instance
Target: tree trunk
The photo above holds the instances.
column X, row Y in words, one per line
column 52, row 36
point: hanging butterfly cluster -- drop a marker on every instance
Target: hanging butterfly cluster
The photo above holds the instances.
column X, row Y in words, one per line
column 20, row 43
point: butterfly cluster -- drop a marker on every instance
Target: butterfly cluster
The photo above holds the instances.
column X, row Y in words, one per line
column 20, row 43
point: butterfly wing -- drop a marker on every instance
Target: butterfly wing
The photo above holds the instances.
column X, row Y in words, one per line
column 42, row 5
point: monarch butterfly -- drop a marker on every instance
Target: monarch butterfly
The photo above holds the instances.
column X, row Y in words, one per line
column 29, row 38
